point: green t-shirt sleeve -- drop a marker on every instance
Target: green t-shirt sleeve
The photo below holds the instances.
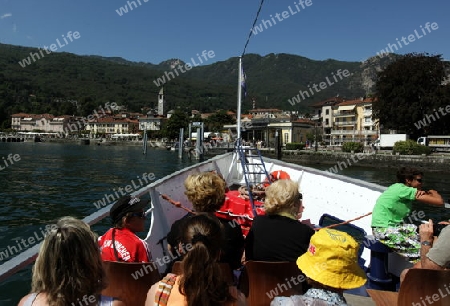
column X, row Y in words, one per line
column 393, row 205
column 405, row 192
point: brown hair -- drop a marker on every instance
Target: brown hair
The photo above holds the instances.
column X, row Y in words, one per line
column 69, row 265
column 406, row 173
column 206, row 191
column 202, row 282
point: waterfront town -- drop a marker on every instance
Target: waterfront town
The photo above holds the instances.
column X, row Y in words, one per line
column 333, row 121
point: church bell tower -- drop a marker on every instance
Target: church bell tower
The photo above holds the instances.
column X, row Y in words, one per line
column 161, row 102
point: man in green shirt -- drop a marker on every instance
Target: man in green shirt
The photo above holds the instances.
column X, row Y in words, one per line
column 393, row 205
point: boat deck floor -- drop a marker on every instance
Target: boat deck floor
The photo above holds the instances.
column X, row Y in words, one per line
column 356, row 300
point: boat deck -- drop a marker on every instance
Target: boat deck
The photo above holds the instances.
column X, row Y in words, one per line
column 356, row 300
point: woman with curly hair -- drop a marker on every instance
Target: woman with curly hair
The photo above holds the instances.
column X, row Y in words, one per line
column 206, row 192
column 68, row 269
column 279, row 235
column 201, row 281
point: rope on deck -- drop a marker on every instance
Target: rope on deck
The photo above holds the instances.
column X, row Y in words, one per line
column 176, row 203
column 345, row 222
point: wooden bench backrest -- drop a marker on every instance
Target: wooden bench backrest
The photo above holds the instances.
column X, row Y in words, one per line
column 425, row 287
column 261, row 279
column 130, row 282
column 420, row 287
column 383, row 298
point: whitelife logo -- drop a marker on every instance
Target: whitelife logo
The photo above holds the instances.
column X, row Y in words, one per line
column 124, row 9
column 188, row 66
column 407, row 40
column 11, row 159
column 53, row 47
column 265, row 24
column 22, row 244
column 323, row 85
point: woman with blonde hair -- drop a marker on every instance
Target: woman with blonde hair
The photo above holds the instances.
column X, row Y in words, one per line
column 68, row 269
column 206, row 192
column 279, row 235
column 201, row 282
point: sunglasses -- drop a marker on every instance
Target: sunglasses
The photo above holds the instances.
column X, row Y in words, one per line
column 139, row 214
column 300, row 196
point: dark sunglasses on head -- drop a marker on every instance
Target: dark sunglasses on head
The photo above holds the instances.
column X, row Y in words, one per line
column 300, row 196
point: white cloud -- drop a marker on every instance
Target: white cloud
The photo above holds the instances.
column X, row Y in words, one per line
column 5, row 15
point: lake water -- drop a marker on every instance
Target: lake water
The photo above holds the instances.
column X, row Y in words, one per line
column 53, row 180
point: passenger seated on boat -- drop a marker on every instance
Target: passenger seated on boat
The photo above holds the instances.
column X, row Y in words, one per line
column 201, row 281
column 331, row 266
column 279, row 235
column 434, row 251
column 394, row 205
column 221, row 177
column 121, row 243
column 206, row 192
column 68, row 269
column 258, row 190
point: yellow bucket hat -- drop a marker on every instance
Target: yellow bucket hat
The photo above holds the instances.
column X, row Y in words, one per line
column 332, row 260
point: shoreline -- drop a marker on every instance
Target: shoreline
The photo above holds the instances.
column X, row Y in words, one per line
column 436, row 163
column 103, row 142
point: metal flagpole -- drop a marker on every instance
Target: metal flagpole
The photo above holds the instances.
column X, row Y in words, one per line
column 239, row 101
column 144, row 140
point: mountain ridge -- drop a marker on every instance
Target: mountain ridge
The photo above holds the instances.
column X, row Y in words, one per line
column 48, row 83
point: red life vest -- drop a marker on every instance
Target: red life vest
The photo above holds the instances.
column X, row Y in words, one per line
column 275, row 176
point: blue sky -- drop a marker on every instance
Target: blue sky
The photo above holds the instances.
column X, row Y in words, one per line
column 155, row 31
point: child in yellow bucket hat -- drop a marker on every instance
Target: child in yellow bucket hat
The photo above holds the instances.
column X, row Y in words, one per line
column 331, row 265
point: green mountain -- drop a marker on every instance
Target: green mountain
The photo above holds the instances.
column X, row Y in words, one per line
column 65, row 83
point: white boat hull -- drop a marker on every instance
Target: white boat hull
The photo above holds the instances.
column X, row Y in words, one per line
column 323, row 192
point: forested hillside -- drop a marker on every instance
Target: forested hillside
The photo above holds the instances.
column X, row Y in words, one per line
column 64, row 83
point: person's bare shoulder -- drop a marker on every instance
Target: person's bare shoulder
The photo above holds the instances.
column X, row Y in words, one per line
column 23, row 300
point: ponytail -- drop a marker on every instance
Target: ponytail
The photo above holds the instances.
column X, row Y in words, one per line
column 202, row 282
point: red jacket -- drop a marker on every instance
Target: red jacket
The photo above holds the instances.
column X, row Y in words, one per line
column 130, row 248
